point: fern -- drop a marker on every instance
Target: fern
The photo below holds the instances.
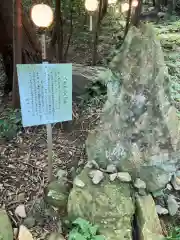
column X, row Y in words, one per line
column 83, row 230
column 174, row 235
column 10, row 124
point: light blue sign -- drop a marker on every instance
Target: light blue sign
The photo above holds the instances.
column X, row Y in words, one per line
column 45, row 93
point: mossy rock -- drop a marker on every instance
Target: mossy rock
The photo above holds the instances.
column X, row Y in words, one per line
column 56, row 194
column 6, row 231
column 108, row 204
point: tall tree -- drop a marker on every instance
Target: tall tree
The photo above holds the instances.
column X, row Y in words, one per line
column 17, row 48
column 102, row 10
column 136, row 16
column 59, row 30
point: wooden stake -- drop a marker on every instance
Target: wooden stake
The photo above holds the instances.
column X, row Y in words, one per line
column 48, row 126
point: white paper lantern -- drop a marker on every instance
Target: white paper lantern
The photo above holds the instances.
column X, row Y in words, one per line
column 124, row 7
column 111, row 2
column 42, row 15
column 91, row 5
column 134, row 3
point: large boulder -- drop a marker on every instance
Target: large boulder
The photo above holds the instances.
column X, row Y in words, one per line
column 6, row 231
column 83, row 76
column 139, row 127
column 108, row 204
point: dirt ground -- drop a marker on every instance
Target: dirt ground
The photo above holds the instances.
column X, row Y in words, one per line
column 23, row 160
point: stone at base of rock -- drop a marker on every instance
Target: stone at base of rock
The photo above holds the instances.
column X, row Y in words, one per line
column 56, row 236
column 147, row 219
column 172, row 205
column 6, row 231
column 124, row 176
column 108, row 204
column 161, row 210
column 175, row 181
column 139, row 184
column 56, row 194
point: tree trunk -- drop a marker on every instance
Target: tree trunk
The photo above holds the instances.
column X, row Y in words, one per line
column 70, row 31
column 96, row 33
column 17, row 49
column 128, row 19
column 171, row 5
column 136, row 16
column 59, row 31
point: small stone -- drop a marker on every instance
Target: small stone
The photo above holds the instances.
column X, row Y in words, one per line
column 139, row 184
column 61, row 174
column 15, row 233
column 24, row 233
column 56, row 236
column 161, row 210
column 29, row 222
column 20, row 211
column 169, row 187
column 172, row 205
column 112, row 176
column 98, row 177
column 111, row 168
column 175, row 181
column 124, row 176
column 79, row 183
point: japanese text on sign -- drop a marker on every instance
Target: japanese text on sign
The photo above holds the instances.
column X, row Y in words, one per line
column 45, row 93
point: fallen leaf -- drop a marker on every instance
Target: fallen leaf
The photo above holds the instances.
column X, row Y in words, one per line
column 24, row 233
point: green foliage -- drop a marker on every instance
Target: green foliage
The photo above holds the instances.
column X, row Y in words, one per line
column 95, row 89
column 83, row 230
column 174, row 235
column 173, row 64
column 170, row 41
column 10, row 124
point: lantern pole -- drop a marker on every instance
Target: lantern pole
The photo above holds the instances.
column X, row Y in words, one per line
column 40, row 23
column 91, row 23
column 91, row 6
